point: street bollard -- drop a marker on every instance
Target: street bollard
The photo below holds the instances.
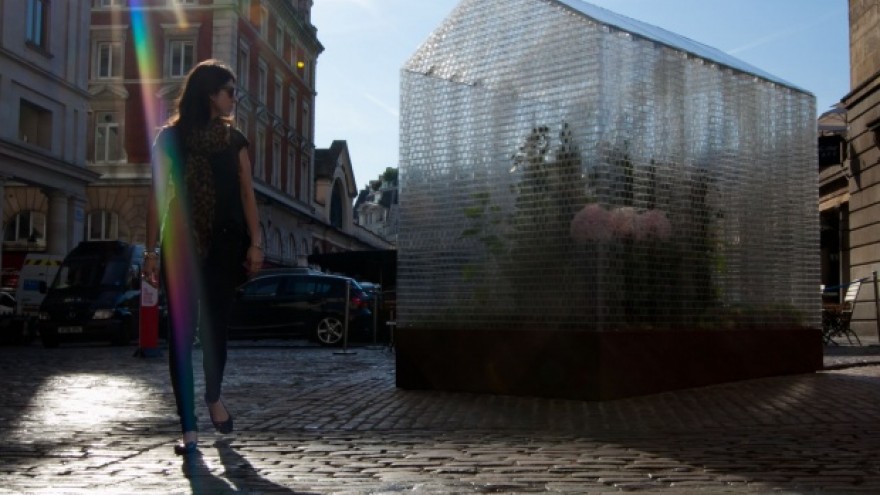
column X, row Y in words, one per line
column 148, row 324
column 345, row 350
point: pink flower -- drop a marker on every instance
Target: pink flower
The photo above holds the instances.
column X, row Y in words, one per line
column 653, row 224
column 623, row 223
column 592, row 223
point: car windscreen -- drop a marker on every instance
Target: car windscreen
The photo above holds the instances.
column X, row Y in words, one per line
column 91, row 273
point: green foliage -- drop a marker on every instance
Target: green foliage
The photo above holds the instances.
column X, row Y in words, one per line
column 390, row 176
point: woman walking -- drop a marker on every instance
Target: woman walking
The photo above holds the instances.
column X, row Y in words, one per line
column 203, row 206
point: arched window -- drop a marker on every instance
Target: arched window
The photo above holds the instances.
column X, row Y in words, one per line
column 27, row 230
column 277, row 241
column 102, row 225
column 336, row 202
column 304, row 252
column 290, row 248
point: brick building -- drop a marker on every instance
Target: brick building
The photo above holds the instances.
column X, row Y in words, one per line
column 139, row 52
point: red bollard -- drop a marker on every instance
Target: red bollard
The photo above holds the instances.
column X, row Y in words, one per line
column 148, row 336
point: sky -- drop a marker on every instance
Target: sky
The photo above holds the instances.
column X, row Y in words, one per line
column 366, row 42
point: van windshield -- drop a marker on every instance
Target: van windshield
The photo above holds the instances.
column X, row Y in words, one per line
column 90, row 273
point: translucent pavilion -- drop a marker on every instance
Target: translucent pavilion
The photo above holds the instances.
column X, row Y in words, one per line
column 567, row 170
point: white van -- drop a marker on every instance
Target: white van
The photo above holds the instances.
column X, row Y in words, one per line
column 37, row 272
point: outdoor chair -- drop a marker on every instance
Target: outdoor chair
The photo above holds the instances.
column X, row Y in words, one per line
column 836, row 322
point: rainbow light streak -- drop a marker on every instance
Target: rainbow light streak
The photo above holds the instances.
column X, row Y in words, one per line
column 182, row 281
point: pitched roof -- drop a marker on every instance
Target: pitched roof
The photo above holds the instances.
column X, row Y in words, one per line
column 668, row 38
column 326, row 159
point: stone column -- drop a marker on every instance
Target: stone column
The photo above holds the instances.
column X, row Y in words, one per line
column 56, row 235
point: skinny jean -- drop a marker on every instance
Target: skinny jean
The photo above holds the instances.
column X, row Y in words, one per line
column 202, row 305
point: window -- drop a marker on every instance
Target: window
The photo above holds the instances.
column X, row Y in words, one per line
column 269, row 243
column 277, row 244
column 185, row 2
column 288, row 187
column 304, row 180
column 109, row 3
column 276, row 164
column 306, row 122
column 291, row 111
column 262, row 287
column 244, row 66
column 263, row 82
column 279, row 88
column 264, row 22
column 292, row 52
column 336, row 206
column 245, row 9
column 279, row 39
column 109, row 60
column 102, row 226
column 259, row 164
column 182, row 57
column 290, row 248
column 37, row 23
column 241, row 121
column 107, row 147
column 26, row 229
column 35, row 125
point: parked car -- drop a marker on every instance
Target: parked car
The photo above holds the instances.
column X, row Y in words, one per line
column 291, row 303
column 94, row 296
column 372, row 290
column 7, row 304
column 10, row 331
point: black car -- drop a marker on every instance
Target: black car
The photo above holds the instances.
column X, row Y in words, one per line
column 95, row 295
column 296, row 304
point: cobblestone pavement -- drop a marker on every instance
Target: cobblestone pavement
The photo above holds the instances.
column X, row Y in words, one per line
column 93, row 419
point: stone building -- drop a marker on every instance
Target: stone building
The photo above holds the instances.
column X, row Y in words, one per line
column 377, row 207
column 44, row 109
column 863, row 153
column 138, row 55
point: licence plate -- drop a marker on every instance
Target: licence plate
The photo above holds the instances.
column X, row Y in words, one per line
column 69, row 330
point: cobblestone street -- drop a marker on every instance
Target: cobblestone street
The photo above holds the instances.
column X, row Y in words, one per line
column 93, row 419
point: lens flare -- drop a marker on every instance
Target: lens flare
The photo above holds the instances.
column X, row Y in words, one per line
column 182, row 283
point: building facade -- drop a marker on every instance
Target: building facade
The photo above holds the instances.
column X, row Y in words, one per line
column 139, row 52
column 44, row 108
column 833, row 204
column 377, row 207
column 863, row 154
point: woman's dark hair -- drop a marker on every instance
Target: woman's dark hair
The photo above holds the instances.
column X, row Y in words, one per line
column 194, row 104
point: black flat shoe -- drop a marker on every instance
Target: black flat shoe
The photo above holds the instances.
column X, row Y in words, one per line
column 224, row 427
column 187, row 448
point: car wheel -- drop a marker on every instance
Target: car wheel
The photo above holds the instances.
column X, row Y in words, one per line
column 329, row 330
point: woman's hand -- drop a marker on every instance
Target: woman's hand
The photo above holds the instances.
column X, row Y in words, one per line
column 254, row 260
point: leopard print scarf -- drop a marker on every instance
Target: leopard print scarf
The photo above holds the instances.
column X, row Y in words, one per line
column 199, row 176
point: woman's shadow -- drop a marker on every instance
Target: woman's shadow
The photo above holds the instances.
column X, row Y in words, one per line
column 239, row 475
